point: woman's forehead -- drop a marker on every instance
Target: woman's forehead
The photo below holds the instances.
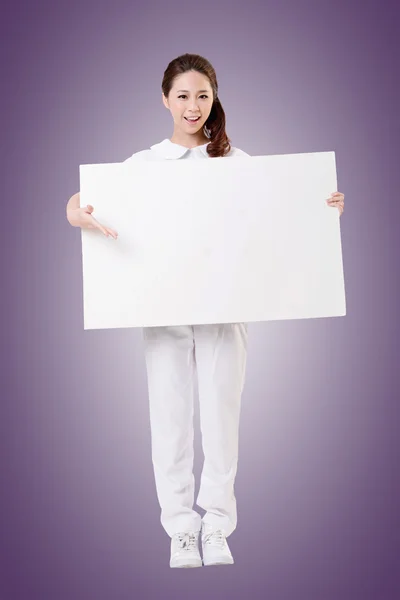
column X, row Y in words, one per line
column 191, row 81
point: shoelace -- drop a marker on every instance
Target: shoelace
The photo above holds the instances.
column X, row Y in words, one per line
column 186, row 541
column 214, row 537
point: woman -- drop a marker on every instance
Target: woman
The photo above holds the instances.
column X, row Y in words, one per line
column 217, row 351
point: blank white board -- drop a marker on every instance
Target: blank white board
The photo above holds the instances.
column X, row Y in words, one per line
column 222, row 240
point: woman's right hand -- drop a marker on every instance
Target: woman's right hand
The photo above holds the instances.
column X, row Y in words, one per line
column 82, row 217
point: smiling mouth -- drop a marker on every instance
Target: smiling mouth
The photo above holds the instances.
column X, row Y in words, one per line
column 192, row 120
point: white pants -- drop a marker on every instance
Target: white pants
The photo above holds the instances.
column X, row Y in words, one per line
column 172, row 353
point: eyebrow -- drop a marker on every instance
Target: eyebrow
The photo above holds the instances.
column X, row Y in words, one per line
column 197, row 92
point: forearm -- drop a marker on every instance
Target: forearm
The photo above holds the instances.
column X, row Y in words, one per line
column 74, row 201
column 72, row 205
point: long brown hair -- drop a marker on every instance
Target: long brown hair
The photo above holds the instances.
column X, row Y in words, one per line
column 214, row 127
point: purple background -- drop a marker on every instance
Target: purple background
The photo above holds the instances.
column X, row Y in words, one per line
column 318, row 480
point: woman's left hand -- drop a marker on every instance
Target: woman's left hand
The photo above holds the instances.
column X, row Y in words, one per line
column 337, row 200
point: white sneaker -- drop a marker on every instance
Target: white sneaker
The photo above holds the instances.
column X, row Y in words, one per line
column 185, row 550
column 215, row 547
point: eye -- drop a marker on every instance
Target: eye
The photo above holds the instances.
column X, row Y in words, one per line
column 202, row 96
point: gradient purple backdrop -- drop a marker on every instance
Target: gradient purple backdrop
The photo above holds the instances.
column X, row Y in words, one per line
column 318, row 481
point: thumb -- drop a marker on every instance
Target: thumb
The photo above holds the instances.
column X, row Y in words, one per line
column 89, row 207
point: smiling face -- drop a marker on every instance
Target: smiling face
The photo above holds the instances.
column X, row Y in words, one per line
column 190, row 96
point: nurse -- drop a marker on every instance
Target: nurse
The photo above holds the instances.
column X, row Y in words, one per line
column 173, row 354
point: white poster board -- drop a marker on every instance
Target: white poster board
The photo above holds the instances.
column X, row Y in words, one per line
column 222, row 240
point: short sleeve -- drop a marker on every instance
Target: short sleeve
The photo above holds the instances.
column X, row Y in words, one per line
column 141, row 155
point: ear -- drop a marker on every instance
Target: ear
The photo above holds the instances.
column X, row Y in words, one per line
column 165, row 101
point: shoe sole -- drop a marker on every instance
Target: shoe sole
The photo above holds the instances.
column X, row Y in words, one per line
column 220, row 562
column 186, row 565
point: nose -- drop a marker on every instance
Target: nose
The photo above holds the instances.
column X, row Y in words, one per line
column 194, row 107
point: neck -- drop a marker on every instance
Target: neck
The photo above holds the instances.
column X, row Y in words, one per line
column 189, row 140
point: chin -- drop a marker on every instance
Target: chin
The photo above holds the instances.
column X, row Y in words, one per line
column 191, row 126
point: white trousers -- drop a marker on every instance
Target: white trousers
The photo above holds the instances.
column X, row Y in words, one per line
column 172, row 354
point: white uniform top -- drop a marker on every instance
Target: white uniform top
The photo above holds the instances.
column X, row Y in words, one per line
column 170, row 150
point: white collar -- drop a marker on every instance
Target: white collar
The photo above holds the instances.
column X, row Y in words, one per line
column 168, row 149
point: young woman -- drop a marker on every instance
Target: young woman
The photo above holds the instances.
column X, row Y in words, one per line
column 216, row 351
